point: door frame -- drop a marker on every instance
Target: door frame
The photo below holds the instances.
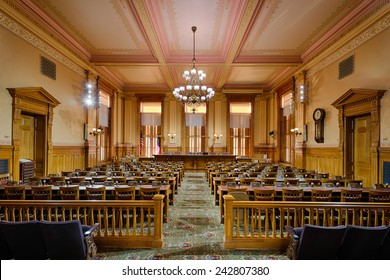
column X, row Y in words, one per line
column 32, row 100
column 356, row 102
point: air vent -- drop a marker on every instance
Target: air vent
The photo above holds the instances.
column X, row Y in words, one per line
column 48, row 68
column 346, row 67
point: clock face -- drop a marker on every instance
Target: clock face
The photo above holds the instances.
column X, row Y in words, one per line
column 318, row 114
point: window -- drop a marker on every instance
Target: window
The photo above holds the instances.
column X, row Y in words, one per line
column 285, row 127
column 240, row 128
column 104, row 121
column 195, row 129
column 150, row 134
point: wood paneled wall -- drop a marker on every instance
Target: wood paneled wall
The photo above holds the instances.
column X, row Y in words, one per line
column 328, row 160
column 67, row 158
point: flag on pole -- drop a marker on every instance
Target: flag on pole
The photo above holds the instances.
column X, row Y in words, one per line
column 141, row 144
column 158, row 144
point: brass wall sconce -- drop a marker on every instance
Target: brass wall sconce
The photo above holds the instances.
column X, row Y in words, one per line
column 296, row 131
column 272, row 134
column 96, row 131
column 172, row 136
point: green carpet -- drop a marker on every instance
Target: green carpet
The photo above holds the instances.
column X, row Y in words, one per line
column 193, row 231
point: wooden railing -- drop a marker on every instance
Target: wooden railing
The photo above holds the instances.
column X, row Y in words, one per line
column 123, row 223
column 255, row 224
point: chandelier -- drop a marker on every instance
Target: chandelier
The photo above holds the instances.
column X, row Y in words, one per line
column 194, row 94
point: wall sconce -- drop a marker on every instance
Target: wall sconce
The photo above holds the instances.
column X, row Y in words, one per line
column 217, row 136
column 96, row 131
column 296, row 131
column 172, row 136
column 272, row 134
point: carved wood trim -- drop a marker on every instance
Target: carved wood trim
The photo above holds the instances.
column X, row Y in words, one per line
column 33, row 100
column 356, row 102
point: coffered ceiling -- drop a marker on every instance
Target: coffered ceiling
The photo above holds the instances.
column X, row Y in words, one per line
column 145, row 45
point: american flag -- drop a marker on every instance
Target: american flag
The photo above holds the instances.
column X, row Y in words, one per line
column 141, row 144
column 158, row 145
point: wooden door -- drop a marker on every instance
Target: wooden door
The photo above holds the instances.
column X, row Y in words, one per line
column 27, row 137
column 361, row 150
column 40, row 146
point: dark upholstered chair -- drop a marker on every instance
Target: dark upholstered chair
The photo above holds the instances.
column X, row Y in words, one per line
column 67, row 240
column 5, row 252
column 362, row 243
column 25, row 240
column 384, row 249
column 312, row 242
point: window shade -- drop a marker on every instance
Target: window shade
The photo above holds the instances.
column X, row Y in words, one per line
column 239, row 120
column 152, row 119
column 196, row 119
column 103, row 115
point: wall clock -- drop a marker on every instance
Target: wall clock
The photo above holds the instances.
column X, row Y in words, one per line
column 319, row 116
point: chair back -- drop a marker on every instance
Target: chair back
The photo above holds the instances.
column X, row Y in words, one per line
column 237, row 189
column 319, row 243
column 56, row 179
column 125, row 192
column 291, row 181
column 292, row 194
column 15, row 192
column 362, row 243
column 379, row 195
column 321, row 194
column 34, row 181
column 313, row 181
column 350, row 195
column 24, row 246
column 70, row 192
column 246, row 181
column 95, row 193
column 76, row 180
column 255, row 184
column 64, row 240
column 99, row 180
column 119, row 180
column 261, row 194
column 41, row 192
column 147, row 193
column 239, row 195
column 5, row 251
column 267, row 181
column 384, row 249
column 132, row 183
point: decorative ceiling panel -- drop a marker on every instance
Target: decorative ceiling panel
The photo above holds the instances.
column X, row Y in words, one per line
column 147, row 44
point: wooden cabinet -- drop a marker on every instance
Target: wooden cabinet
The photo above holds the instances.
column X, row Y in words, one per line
column 26, row 170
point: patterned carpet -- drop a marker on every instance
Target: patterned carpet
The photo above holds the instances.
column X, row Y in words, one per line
column 193, row 232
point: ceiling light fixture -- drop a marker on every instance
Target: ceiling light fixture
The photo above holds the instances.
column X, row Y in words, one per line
column 194, row 94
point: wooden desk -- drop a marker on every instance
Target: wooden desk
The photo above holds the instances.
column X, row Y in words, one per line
column 195, row 162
